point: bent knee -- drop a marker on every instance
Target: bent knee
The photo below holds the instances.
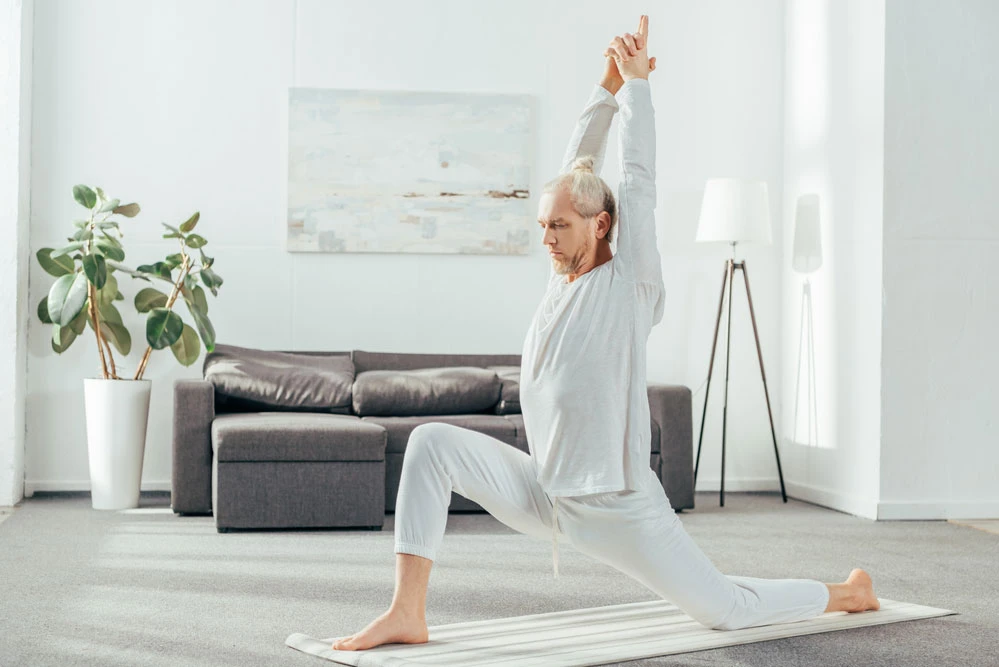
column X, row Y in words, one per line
column 425, row 436
column 426, row 431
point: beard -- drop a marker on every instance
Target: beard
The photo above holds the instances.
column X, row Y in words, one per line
column 565, row 266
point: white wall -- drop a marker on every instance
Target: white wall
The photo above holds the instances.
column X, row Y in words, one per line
column 15, row 138
column 833, row 147
column 940, row 453
column 194, row 116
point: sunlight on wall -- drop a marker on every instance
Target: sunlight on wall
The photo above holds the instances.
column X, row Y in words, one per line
column 814, row 398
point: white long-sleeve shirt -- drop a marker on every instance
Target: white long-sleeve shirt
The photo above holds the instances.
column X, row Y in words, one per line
column 583, row 388
column 583, row 391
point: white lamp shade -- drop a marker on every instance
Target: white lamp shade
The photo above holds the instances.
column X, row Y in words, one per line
column 807, row 235
column 734, row 211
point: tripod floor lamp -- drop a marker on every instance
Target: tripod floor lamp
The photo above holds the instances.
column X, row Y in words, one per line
column 734, row 211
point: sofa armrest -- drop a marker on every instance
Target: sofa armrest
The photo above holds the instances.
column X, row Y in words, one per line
column 191, row 479
column 670, row 407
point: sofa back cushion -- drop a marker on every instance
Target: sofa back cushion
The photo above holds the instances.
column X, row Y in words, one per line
column 407, row 361
column 509, row 403
column 248, row 379
column 426, row 391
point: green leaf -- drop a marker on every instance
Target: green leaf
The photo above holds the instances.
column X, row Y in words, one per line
column 206, row 261
column 65, row 250
column 66, row 298
column 195, row 241
column 109, row 313
column 128, row 210
column 79, row 323
column 161, row 269
column 96, row 269
column 135, row 273
column 100, row 193
column 163, row 328
column 62, row 338
column 175, row 260
column 109, row 239
column 55, row 266
column 109, row 206
column 107, row 224
column 117, row 335
column 119, row 296
column 108, row 292
column 43, row 311
column 84, row 196
column 110, row 251
column 211, row 280
column 191, row 222
column 172, row 228
column 84, row 234
column 187, row 349
column 149, row 298
column 197, row 305
column 200, row 300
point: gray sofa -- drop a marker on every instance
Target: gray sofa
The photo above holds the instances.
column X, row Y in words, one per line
column 317, row 439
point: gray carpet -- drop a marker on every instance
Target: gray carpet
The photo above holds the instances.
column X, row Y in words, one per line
column 146, row 587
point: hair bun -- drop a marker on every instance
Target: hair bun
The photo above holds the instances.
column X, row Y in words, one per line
column 583, row 164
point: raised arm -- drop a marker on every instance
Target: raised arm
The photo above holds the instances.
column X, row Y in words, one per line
column 589, row 137
column 637, row 254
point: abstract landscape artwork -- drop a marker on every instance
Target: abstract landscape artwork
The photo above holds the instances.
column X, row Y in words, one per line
column 409, row 172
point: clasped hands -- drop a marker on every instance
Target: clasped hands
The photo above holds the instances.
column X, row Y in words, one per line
column 628, row 58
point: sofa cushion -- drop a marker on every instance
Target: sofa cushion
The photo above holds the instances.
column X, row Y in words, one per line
column 518, row 423
column 399, row 428
column 509, row 403
column 423, row 392
column 408, row 361
column 283, row 436
column 265, row 380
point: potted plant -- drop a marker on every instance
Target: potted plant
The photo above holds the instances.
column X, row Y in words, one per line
column 84, row 293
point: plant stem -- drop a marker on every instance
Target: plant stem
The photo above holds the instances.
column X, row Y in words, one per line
column 114, row 371
column 95, row 320
column 185, row 267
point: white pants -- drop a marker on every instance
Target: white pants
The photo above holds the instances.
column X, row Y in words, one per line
column 636, row 532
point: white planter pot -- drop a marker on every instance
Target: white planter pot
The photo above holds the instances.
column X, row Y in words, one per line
column 117, row 415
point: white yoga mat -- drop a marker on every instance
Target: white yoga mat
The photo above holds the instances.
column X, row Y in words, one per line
column 595, row 636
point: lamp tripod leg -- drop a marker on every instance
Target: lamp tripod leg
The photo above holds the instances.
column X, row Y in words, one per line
column 766, row 392
column 728, row 358
column 711, row 366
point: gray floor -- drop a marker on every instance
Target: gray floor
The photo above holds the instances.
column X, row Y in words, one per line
column 144, row 587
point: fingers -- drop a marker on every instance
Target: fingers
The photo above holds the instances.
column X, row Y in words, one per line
column 624, row 48
column 619, row 49
column 652, row 64
column 643, row 26
column 629, row 42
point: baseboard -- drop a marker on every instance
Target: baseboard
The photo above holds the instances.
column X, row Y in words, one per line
column 835, row 500
column 30, row 487
column 737, row 484
column 943, row 509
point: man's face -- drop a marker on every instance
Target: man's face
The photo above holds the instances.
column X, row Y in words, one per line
column 567, row 235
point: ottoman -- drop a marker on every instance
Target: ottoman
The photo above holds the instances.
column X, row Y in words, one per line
column 297, row 470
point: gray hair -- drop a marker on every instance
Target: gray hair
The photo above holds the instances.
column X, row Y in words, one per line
column 588, row 193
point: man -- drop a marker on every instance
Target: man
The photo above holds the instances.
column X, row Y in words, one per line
column 584, row 399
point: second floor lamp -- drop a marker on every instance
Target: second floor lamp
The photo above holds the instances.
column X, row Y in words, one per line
column 734, row 211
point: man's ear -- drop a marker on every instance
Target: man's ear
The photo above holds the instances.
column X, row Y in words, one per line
column 602, row 223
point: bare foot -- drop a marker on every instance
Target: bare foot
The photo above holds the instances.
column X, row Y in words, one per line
column 865, row 600
column 390, row 628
